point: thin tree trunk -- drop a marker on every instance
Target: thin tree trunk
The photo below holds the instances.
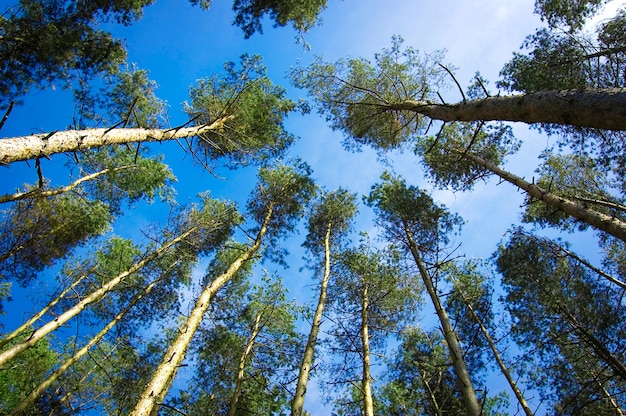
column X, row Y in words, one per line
column 155, row 391
column 41, row 145
column 368, row 402
column 518, row 393
column 41, row 194
column 95, row 296
column 595, row 108
column 30, row 399
column 456, row 354
column 603, row 222
column 232, row 410
column 307, row 360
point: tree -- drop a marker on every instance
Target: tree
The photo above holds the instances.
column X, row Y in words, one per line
column 329, row 222
column 238, row 117
column 408, row 215
column 569, row 321
column 275, row 205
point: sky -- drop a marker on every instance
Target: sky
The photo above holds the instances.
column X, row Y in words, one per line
column 178, row 44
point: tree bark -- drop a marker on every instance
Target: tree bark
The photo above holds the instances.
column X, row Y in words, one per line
column 155, row 391
column 368, row 402
column 307, row 360
column 472, row 405
column 232, row 409
column 603, row 222
column 518, row 393
column 95, row 296
column 593, row 108
column 46, row 144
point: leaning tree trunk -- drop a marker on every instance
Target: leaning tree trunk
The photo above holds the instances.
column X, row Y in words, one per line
column 603, row 222
column 307, row 360
column 46, row 144
column 156, row 390
column 472, row 405
column 30, row 399
column 95, row 296
column 368, row 401
column 241, row 372
column 594, row 108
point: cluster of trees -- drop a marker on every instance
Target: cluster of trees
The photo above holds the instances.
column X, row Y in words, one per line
column 557, row 330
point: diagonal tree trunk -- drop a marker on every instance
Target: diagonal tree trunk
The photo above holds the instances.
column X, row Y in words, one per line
column 603, row 222
column 256, row 329
column 95, row 296
column 309, row 352
column 42, row 145
column 472, row 405
column 156, row 390
column 595, row 108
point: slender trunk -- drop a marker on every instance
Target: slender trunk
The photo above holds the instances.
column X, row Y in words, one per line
column 42, row 145
column 431, row 395
column 95, row 296
column 594, row 108
column 307, row 360
column 611, row 225
column 157, row 388
column 456, row 354
column 41, row 313
column 232, row 410
column 41, row 194
column 30, row 399
column 368, row 402
column 518, row 393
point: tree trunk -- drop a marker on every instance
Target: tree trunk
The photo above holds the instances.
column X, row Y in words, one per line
column 594, row 108
column 42, row 145
column 307, row 360
column 368, row 402
column 30, row 399
column 155, row 391
column 518, row 393
column 603, row 222
column 95, row 296
column 232, row 409
column 456, row 354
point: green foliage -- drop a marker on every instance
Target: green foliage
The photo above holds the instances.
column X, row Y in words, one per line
column 24, row 374
column 251, row 109
column 36, row 233
column 352, row 94
column 571, row 13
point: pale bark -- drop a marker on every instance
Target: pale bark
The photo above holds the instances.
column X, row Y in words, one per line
column 307, row 360
column 36, row 193
column 155, row 391
column 41, row 145
column 603, row 222
column 30, row 399
column 472, row 404
column 95, row 296
column 368, row 401
column 594, row 108
column 241, row 371
column 518, row 393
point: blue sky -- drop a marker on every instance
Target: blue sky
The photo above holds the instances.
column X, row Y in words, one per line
column 178, row 43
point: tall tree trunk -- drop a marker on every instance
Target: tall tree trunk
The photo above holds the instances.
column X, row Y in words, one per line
column 368, row 402
column 456, row 353
column 37, row 193
column 518, row 393
column 30, row 399
column 157, row 388
column 595, row 108
column 603, row 222
column 95, row 296
column 307, row 360
column 41, row 145
column 232, row 409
